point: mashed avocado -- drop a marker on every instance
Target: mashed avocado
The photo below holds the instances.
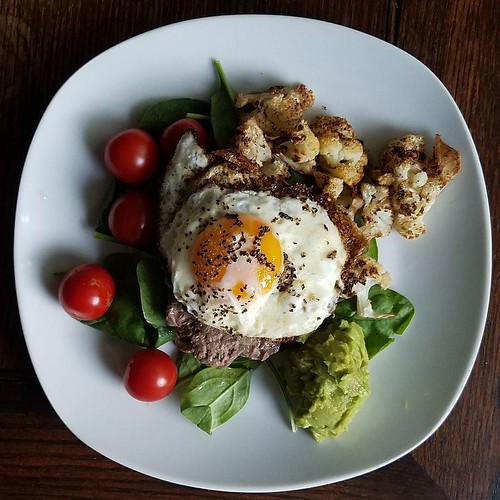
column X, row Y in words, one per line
column 327, row 379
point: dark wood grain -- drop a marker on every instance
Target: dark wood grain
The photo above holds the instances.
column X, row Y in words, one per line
column 43, row 42
column 38, row 452
column 458, row 42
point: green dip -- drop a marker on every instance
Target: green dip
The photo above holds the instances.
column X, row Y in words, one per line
column 327, row 379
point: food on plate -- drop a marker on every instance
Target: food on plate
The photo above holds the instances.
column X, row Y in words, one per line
column 150, row 375
column 132, row 156
column 132, row 218
column 224, row 390
column 267, row 220
column 327, row 379
column 247, row 255
column 171, row 135
column 243, row 261
column 414, row 180
column 87, row 292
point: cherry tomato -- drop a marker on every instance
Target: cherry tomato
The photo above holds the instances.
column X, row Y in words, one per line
column 172, row 134
column 150, row 375
column 132, row 219
column 87, row 291
column 132, row 156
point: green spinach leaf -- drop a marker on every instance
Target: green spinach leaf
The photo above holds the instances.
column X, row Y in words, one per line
column 135, row 314
column 163, row 113
column 223, row 113
column 214, row 395
column 153, row 291
column 247, row 363
column 187, row 365
column 298, row 178
column 396, row 310
column 277, row 371
column 123, row 268
column 124, row 320
column 372, row 249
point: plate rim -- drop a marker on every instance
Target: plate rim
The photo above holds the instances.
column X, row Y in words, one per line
column 487, row 251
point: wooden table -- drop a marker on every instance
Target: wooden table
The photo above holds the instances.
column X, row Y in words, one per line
column 43, row 42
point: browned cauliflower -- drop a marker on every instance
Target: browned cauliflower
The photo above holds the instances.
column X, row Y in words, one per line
column 414, row 180
column 275, row 122
column 406, row 153
column 274, row 132
column 299, row 149
column 280, row 109
column 340, row 153
column 376, row 211
column 251, row 141
column 329, row 184
column 359, row 277
column 276, row 168
column 444, row 164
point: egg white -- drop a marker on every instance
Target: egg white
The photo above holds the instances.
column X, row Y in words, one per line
column 307, row 236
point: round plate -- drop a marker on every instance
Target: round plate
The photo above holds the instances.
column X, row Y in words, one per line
column 384, row 93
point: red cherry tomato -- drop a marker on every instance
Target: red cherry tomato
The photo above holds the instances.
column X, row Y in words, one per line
column 87, row 291
column 132, row 219
column 150, row 375
column 172, row 134
column 132, row 156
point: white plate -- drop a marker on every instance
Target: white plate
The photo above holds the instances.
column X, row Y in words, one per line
column 384, row 93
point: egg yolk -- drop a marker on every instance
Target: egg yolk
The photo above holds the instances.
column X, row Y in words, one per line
column 239, row 253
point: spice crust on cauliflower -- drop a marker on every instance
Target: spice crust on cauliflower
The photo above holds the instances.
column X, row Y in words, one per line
column 274, row 132
column 340, row 153
column 414, row 180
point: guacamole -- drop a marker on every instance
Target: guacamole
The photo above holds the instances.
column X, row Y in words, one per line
column 327, row 379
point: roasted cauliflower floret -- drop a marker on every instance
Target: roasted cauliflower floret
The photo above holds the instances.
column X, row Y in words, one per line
column 279, row 109
column 340, row 153
column 276, row 168
column 415, row 181
column 330, row 185
column 275, row 123
column 359, row 277
column 444, row 165
column 405, row 154
column 299, row 148
column 376, row 212
column 251, row 141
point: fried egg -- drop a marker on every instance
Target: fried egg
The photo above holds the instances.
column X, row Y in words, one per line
column 250, row 263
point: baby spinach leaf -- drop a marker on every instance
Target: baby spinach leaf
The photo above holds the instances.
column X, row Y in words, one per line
column 223, row 113
column 124, row 320
column 280, row 378
column 187, row 365
column 247, row 363
column 372, row 249
column 197, row 116
column 298, row 178
column 101, row 324
column 153, row 294
column 163, row 113
column 214, row 395
column 153, row 290
column 397, row 313
column 135, row 313
column 164, row 334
